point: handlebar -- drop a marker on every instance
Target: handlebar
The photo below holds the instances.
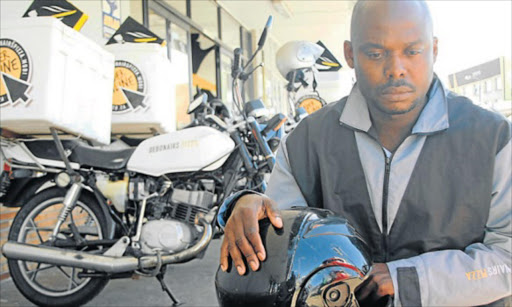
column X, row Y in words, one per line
column 263, row 36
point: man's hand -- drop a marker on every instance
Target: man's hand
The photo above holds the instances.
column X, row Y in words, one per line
column 241, row 234
column 377, row 285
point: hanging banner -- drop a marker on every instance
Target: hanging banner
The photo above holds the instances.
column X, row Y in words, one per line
column 111, row 17
column 327, row 61
column 133, row 32
column 69, row 14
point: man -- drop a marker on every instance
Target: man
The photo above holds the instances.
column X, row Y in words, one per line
column 422, row 174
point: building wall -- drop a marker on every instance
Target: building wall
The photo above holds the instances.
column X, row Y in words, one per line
column 6, row 216
column 487, row 84
column 507, row 78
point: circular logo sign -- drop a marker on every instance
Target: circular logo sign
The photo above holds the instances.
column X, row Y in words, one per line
column 15, row 69
column 129, row 87
column 311, row 103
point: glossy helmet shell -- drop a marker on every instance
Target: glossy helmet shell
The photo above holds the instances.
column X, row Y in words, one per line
column 296, row 55
column 317, row 259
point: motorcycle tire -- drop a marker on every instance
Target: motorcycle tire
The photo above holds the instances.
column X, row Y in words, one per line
column 34, row 224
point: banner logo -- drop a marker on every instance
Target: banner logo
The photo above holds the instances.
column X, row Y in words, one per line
column 15, row 72
column 131, row 31
column 129, row 88
column 327, row 61
column 61, row 9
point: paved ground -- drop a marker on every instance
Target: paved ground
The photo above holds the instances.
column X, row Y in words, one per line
column 192, row 283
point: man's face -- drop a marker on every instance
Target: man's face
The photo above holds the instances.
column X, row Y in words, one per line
column 393, row 53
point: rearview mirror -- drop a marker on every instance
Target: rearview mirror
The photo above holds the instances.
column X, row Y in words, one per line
column 196, row 103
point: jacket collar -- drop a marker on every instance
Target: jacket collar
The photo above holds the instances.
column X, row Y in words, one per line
column 433, row 118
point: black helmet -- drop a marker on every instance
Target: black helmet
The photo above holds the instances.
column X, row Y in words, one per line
column 316, row 259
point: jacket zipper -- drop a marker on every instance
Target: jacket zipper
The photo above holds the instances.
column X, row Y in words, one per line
column 384, row 236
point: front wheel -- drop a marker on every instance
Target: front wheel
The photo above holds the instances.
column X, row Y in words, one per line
column 53, row 285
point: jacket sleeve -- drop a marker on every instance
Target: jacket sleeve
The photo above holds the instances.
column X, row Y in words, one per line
column 282, row 187
column 480, row 274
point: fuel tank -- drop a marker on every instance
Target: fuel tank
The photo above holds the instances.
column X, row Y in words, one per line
column 187, row 150
column 316, row 259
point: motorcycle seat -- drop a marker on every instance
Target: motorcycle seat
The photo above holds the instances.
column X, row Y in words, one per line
column 82, row 153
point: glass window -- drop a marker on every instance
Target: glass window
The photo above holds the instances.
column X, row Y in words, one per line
column 247, row 52
column 247, row 43
column 205, row 14
column 204, row 66
column 135, row 10
column 177, row 38
column 180, row 60
column 499, row 83
column 179, row 5
column 230, row 31
column 157, row 24
column 226, row 81
column 488, row 85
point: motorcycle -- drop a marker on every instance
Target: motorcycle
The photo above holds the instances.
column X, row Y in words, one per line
column 99, row 214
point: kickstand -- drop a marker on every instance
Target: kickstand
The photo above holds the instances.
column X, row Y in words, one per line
column 160, row 277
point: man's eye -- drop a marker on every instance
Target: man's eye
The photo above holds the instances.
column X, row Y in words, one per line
column 414, row 52
column 374, row 55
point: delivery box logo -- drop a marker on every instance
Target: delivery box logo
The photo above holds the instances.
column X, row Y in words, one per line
column 129, row 88
column 311, row 103
column 15, row 71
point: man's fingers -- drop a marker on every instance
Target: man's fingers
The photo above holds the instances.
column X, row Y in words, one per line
column 236, row 256
column 252, row 233
column 224, row 253
column 245, row 247
column 242, row 238
column 248, row 252
column 272, row 212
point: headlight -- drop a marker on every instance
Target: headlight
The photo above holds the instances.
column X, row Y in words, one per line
column 62, row 179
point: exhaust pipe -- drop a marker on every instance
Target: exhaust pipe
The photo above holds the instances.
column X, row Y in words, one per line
column 100, row 263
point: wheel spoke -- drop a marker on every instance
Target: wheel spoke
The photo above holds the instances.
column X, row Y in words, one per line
column 38, row 269
column 71, row 281
column 35, row 272
column 57, row 280
column 67, row 275
column 40, row 228
column 37, row 230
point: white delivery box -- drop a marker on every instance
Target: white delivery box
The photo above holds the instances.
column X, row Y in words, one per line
column 144, row 93
column 53, row 76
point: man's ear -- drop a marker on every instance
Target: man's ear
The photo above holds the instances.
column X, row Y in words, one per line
column 435, row 48
column 349, row 53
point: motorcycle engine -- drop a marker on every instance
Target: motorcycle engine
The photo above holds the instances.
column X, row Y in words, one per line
column 167, row 235
column 171, row 219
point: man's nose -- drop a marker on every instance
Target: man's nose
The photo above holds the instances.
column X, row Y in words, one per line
column 395, row 68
